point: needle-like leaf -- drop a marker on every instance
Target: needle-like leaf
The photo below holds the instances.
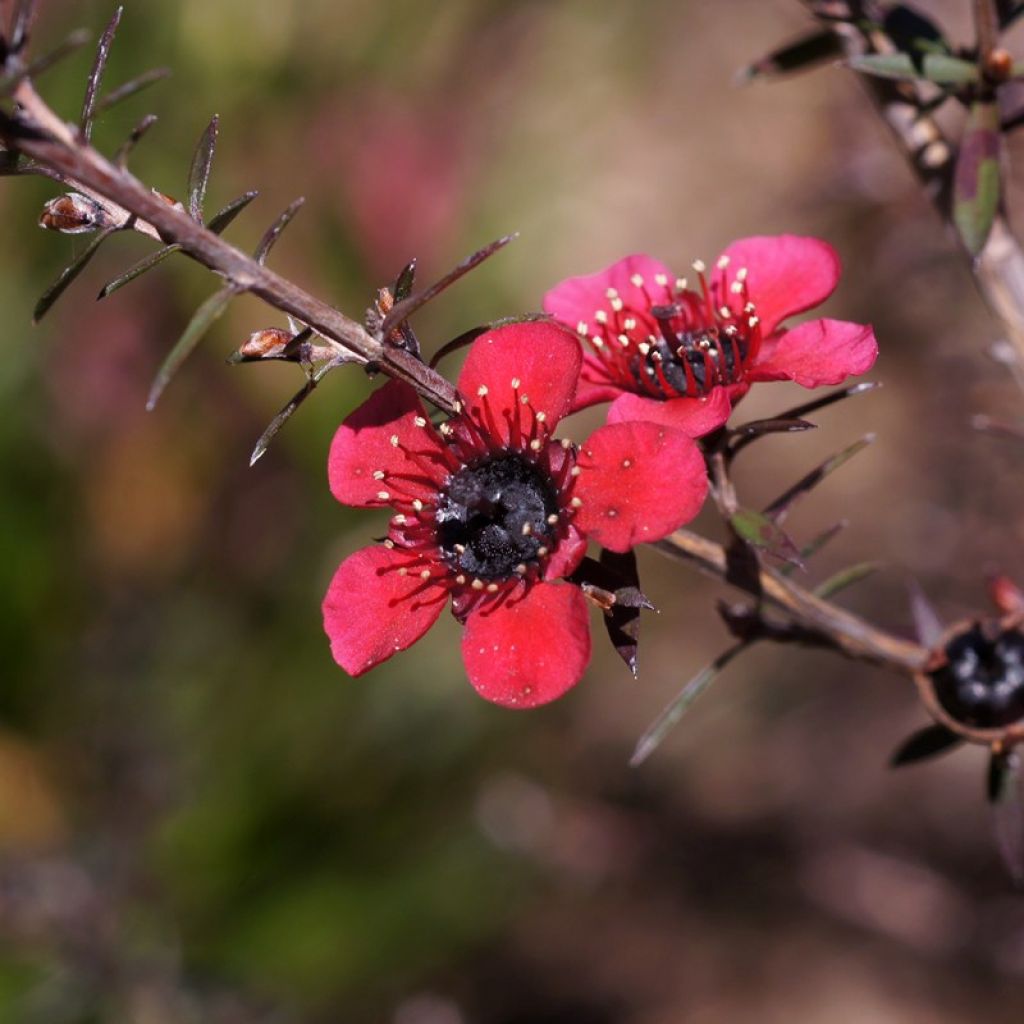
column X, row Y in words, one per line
column 801, row 54
column 930, row 741
column 131, row 87
column 273, row 233
column 200, row 323
column 54, row 292
column 285, row 414
column 846, row 578
column 199, row 173
column 75, row 41
column 148, row 263
column 96, row 75
column 123, row 151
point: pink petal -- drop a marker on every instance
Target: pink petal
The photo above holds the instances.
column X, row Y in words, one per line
column 539, row 360
column 363, row 446
column 786, row 274
column 371, row 612
column 595, row 385
column 576, row 299
column 817, row 353
column 695, row 417
column 639, row 482
column 529, row 651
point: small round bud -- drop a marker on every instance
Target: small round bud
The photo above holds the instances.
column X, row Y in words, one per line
column 73, row 214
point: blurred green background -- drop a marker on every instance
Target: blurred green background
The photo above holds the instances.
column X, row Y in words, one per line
column 203, row 819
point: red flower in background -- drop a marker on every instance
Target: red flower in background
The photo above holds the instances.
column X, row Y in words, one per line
column 490, row 510
column 665, row 353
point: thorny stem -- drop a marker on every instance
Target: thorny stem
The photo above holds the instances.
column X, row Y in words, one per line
column 849, row 633
column 999, row 268
column 59, row 147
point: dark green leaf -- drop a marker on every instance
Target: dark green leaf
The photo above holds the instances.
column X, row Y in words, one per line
column 199, row 172
column 930, row 741
column 808, row 551
column 151, row 261
column 976, row 184
column 56, row 290
column 273, row 233
column 404, row 309
column 846, row 578
column 130, row 88
column 757, row 529
column 938, row 68
column 779, row 508
column 910, row 30
column 405, row 281
column 799, row 411
column 96, row 75
column 200, row 323
column 132, row 141
column 284, row 415
column 662, row 725
column 801, row 54
column 221, row 220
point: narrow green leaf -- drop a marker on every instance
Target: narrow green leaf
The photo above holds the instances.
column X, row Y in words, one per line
column 779, row 508
column 123, row 151
column 938, row 68
column 220, row 221
column 200, row 323
column 810, row 550
column 56, row 290
column 800, row 54
column 405, row 281
column 273, row 233
column 846, row 578
column 131, row 88
column 151, row 261
column 96, row 75
column 757, row 529
column 285, row 414
column 930, row 741
column 199, row 172
column 680, row 704
column 976, row 184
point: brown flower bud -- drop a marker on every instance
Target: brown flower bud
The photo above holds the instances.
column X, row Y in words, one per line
column 266, row 344
column 998, row 65
column 73, row 214
column 169, row 200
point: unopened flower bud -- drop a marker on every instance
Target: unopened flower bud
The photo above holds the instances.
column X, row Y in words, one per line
column 169, row 200
column 1006, row 595
column 268, row 343
column 73, row 214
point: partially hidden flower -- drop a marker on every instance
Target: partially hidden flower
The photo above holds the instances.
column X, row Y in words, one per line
column 662, row 351
column 490, row 511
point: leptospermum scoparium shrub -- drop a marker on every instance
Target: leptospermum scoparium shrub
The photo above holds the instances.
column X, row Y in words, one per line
column 491, row 511
column 661, row 351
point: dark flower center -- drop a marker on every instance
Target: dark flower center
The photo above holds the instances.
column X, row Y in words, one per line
column 983, row 682
column 495, row 516
column 690, row 362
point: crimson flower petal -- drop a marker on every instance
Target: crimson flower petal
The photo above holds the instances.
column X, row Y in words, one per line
column 818, row 353
column 638, row 483
column 786, row 274
column 534, row 363
column 695, row 417
column 528, row 652
column 576, row 299
column 372, row 612
column 363, row 446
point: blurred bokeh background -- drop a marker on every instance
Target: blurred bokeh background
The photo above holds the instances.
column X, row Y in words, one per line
column 202, row 819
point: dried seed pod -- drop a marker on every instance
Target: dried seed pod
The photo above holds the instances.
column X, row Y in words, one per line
column 73, row 214
column 974, row 682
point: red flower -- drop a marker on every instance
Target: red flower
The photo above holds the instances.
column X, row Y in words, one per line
column 665, row 353
column 490, row 510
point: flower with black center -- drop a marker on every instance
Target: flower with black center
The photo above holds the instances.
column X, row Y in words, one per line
column 663, row 351
column 490, row 511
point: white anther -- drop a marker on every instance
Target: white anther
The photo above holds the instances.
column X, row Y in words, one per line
column 753, row 321
column 388, row 543
column 565, row 443
column 723, row 262
column 482, row 391
column 611, row 293
column 460, row 549
column 515, row 383
column 542, row 552
column 637, row 280
column 492, row 588
column 378, row 474
column 629, row 323
column 417, row 504
column 626, row 463
column 399, row 520
column 457, row 405
column 552, row 519
column 582, row 327
column 616, row 304
column 446, row 429
column 524, row 399
column 527, row 529
column 736, row 287
column 699, row 266
column 535, row 445
column 521, row 569
column 644, row 348
column 478, row 584
column 575, row 471
column 576, row 503
column 425, row 574
column 749, row 308
column 601, row 316
column 420, row 421
column 394, row 440
column 661, row 279
column 383, row 495
column 542, row 417
column 460, row 579
column 597, row 341
column 403, row 571
column 624, row 341
column 681, row 284
column 724, row 312
column 741, row 274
